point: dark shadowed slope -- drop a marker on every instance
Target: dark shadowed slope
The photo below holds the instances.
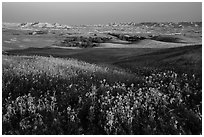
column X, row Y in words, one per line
column 186, row 59
column 91, row 55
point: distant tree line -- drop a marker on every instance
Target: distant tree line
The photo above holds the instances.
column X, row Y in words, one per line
column 83, row 42
column 127, row 37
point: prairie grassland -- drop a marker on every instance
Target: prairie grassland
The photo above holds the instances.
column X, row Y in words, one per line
column 57, row 67
column 46, row 95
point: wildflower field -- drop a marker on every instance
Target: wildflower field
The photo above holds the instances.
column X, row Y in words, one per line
column 47, row 95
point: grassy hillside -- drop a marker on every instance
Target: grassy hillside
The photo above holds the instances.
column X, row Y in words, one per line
column 91, row 55
column 59, row 67
column 182, row 59
column 186, row 59
column 47, row 95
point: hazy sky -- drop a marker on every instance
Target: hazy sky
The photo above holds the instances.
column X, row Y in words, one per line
column 100, row 13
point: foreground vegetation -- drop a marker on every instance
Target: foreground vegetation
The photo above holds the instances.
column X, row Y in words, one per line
column 46, row 95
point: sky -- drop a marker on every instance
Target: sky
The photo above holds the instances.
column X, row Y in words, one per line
column 70, row 13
